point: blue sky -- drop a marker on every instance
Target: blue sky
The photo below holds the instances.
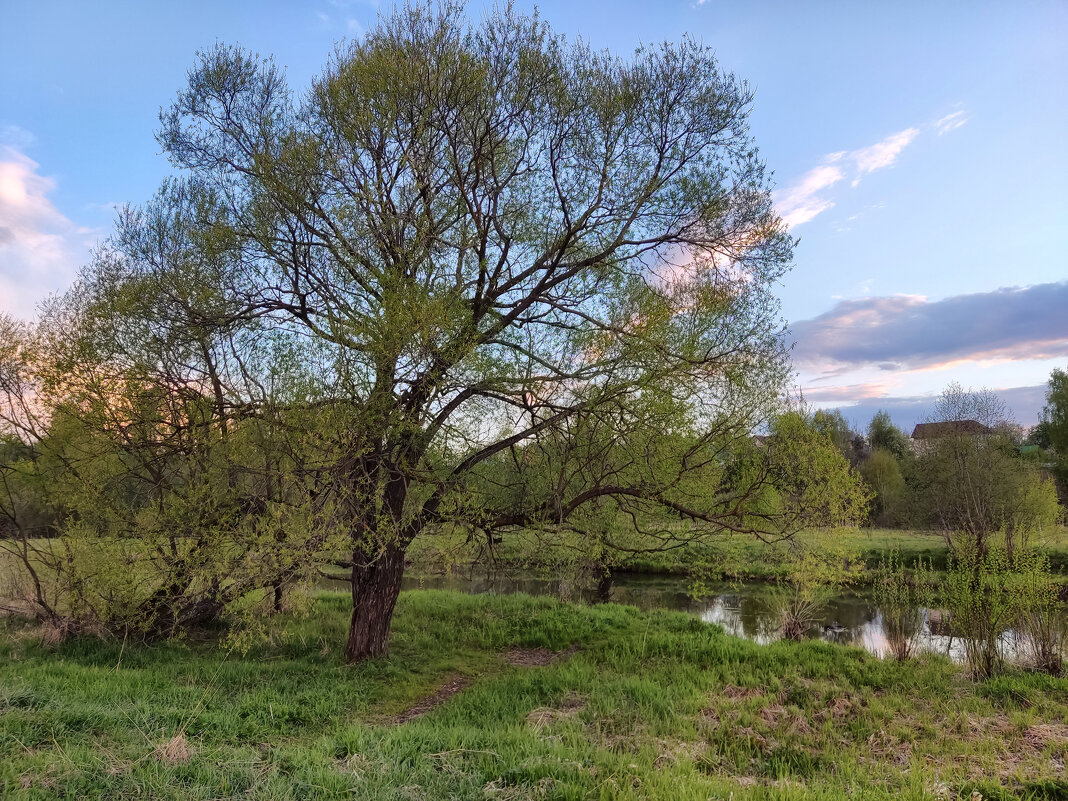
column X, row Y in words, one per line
column 919, row 153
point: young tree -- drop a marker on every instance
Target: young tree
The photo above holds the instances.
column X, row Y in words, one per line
column 882, row 472
column 882, row 433
column 1054, row 424
column 168, row 510
column 971, row 480
column 465, row 243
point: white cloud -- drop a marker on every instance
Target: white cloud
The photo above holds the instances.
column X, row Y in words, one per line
column 343, row 18
column 882, row 154
column 950, row 122
column 801, row 202
column 16, row 137
column 806, row 199
column 40, row 248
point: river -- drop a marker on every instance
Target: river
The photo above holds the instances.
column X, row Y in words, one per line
column 746, row 609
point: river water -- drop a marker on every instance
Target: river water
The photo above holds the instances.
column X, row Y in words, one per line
column 746, row 610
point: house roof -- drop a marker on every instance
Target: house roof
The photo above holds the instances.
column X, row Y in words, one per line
column 949, row 428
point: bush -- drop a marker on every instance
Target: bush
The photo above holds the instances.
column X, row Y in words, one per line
column 988, row 590
column 1042, row 618
column 811, row 579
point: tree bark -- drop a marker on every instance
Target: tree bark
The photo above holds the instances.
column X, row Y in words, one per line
column 376, row 584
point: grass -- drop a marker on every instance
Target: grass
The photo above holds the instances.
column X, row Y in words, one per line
column 651, row 706
column 720, row 557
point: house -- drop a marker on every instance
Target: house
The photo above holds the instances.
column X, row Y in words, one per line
column 925, row 434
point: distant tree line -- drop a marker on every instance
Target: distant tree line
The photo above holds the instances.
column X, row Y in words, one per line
column 977, row 472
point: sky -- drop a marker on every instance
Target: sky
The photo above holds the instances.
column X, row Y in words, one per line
column 918, row 151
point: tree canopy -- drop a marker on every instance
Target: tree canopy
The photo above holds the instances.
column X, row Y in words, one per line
column 464, row 248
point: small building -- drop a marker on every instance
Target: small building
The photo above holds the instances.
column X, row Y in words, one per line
column 924, row 434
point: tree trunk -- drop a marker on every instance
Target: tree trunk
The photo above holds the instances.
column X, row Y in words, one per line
column 376, row 584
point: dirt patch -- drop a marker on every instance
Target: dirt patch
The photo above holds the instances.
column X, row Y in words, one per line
column 671, row 752
column 453, row 685
column 740, row 693
column 779, row 717
column 1044, row 734
column 536, row 657
column 570, row 707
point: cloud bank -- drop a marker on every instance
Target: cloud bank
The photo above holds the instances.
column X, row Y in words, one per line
column 1024, row 405
column 909, row 332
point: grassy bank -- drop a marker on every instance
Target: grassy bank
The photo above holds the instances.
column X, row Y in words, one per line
column 636, row 705
column 720, row 557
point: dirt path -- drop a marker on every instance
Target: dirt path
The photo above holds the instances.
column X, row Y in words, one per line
column 516, row 657
column 453, row 685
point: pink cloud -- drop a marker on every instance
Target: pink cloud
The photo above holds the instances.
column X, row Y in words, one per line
column 40, row 248
column 845, row 392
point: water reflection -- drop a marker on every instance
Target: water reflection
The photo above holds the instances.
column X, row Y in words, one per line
column 744, row 610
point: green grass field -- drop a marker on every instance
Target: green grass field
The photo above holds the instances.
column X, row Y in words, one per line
column 719, row 557
column 637, row 706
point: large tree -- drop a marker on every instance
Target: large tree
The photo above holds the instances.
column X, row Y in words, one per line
column 475, row 245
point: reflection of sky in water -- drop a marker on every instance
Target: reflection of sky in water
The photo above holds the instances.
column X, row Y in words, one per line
column 743, row 610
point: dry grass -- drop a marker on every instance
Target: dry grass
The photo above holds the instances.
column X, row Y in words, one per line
column 176, row 751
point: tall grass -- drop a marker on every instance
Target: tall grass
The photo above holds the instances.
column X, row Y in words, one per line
column 651, row 706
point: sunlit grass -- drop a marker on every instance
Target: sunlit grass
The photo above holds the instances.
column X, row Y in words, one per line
column 652, row 705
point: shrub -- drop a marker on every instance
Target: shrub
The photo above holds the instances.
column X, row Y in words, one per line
column 1041, row 621
column 988, row 589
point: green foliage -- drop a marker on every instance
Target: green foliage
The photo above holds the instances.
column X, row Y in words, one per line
column 831, row 424
column 989, row 588
column 1055, row 413
column 811, row 476
column 975, row 483
column 882, row 473
column 1053, row 429
column 882, row 433
column 169, row 511
column 1042, row 617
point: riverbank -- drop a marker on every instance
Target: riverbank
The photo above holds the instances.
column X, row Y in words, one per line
column 513, row 697
column 716, row 558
